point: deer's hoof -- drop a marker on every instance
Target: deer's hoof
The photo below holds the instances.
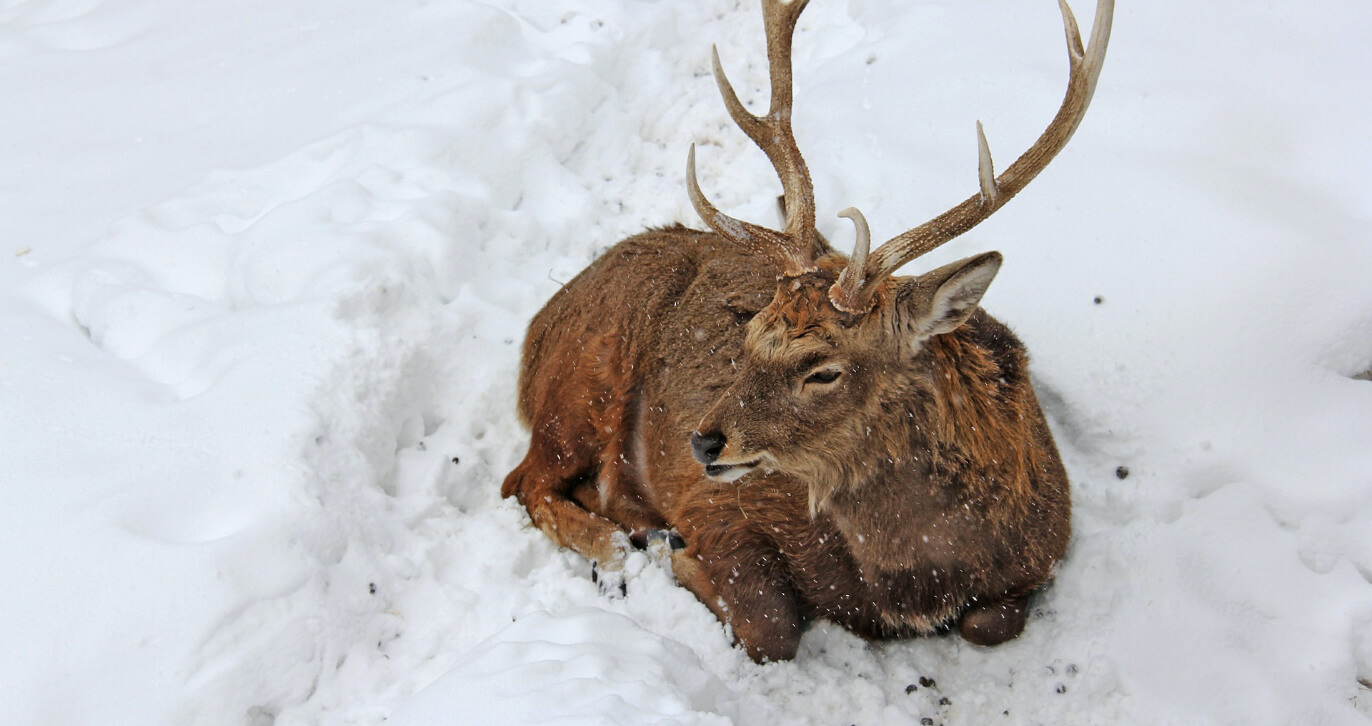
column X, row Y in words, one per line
column 611, row 582
column 645, row 538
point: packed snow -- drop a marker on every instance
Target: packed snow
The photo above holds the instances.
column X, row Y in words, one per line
column 265, row 268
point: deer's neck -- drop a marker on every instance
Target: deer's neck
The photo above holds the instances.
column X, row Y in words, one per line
column 955, row 473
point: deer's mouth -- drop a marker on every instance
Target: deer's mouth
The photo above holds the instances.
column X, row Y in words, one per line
column 730, row 472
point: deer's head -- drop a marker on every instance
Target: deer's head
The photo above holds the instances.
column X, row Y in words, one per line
column 842, row 342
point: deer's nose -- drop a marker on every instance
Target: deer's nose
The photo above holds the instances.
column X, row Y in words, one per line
column 707, row 446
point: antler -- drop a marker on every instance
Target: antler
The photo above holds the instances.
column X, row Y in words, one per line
column 792, row 250
column 856, row 285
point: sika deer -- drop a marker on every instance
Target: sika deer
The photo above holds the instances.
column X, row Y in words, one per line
column 828, row 440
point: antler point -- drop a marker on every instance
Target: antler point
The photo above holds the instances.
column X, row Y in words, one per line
column 986, row 173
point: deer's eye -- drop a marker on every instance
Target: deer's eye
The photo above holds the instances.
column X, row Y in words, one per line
column 824, row 375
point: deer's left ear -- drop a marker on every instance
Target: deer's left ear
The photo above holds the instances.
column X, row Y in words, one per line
column 939, row 301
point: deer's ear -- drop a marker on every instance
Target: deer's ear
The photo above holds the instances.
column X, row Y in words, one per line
column 939, row 301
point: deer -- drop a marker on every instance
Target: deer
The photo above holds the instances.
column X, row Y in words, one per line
column 805, row 434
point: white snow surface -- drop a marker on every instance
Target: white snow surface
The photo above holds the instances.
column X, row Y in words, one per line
column 265, row 268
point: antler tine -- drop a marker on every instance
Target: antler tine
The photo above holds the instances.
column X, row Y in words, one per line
column 757, row 240
column 995, row 191
column 772, row 133
column 858, row 262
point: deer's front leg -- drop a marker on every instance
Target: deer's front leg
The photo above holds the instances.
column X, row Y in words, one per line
column 742, row 578
column 543, row 483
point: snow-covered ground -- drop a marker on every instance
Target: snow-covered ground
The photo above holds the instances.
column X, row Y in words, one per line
column 265, row 267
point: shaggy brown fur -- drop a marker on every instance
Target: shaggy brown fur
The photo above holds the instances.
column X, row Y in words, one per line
column 918, row 491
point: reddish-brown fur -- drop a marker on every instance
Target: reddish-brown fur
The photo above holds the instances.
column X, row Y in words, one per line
column 885, row 466
column 625, row 362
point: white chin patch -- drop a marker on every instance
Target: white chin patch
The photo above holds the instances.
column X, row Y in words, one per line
column 729, row 474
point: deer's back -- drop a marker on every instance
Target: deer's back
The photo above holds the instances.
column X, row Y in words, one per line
column 646, row 336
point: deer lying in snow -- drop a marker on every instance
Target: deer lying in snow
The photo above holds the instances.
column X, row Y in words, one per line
column 820, row 438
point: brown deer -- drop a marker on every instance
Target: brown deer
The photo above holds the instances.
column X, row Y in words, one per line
column 814, row 436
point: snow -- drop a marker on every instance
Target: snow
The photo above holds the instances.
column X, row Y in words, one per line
column 265, row 267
